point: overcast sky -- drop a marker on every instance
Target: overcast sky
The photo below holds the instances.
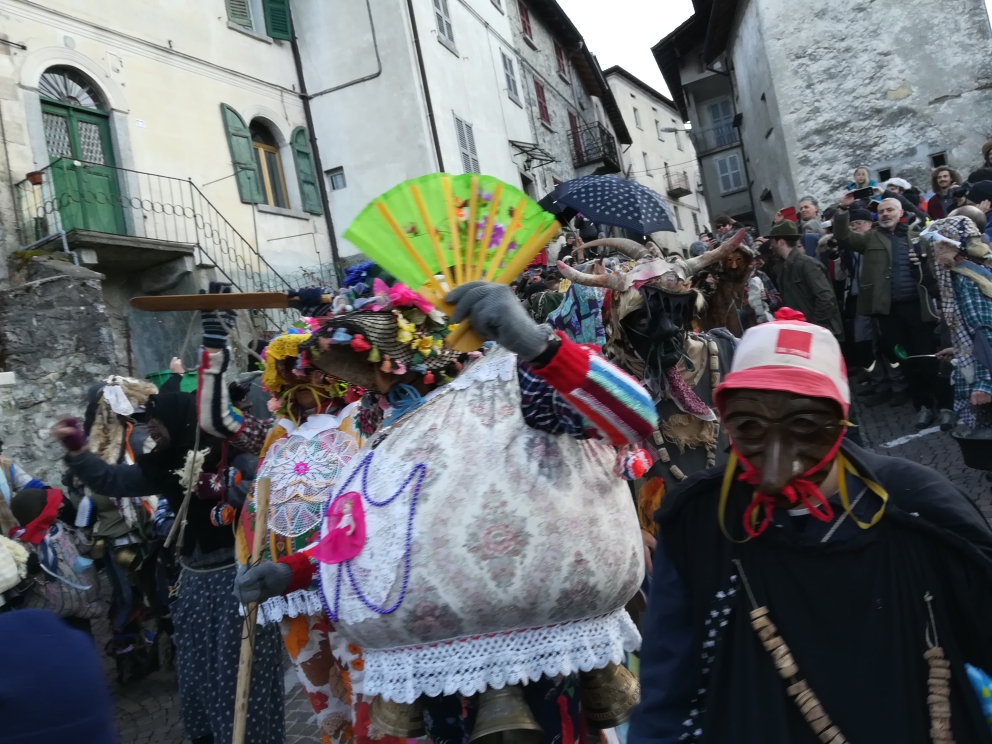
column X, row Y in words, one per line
column 622, row 32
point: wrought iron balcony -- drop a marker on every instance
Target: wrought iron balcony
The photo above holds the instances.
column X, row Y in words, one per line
column 125, row 212
column 677, row 184
column 594, row 143
column 715, row 138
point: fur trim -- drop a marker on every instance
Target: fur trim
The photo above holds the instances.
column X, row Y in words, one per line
column 685, row 430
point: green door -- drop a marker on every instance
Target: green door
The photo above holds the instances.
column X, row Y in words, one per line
column 82, row 159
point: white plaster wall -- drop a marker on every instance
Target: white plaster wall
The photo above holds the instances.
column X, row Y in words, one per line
column 866, row 83
column 175, row 92
column 375, row 125
column 660, row 151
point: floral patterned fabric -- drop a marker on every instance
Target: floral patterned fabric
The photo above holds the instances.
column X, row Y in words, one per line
column 510, row 528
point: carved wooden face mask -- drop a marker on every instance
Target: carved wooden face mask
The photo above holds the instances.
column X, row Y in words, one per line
column 781, row 434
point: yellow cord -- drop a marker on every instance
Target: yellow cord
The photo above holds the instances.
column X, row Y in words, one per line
column 844, row 465
column 874, row 487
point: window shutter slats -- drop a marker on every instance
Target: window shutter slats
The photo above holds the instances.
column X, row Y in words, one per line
column 466, row 146
column 306, row 174
column 278, row 22
column 239, row 12
column 242, row 156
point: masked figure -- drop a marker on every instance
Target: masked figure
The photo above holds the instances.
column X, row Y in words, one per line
column 649, row 312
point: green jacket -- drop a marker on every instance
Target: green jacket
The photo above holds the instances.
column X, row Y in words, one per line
column 803, row 282
column 875, row 290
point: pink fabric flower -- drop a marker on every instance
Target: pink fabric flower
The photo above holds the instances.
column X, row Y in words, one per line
column 312, row 323
column 301, row 468
column 401, row 295
column 273, row 404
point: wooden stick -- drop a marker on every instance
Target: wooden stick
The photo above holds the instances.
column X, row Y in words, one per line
column 226, row 301
column 473, row 205
column 442, row 262
column 456, row 238
column 487, row 235
column 409, row 248
column 262, row 486
column 497, row 258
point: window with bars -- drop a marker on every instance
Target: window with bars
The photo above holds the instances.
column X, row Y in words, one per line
column 730, row 172
column 542, row 102
column 511, row 77
column 466, row 145
column 335, row 177
column 445, row 33
column 525, row 26
column 560, row 61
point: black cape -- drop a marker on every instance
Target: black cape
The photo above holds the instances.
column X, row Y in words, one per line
column 852, row 612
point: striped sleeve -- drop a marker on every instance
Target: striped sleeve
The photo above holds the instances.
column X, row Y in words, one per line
column 609, row 398
column 217, row 416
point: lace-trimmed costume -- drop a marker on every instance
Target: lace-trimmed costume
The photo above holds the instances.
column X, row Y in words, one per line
column 475, row 521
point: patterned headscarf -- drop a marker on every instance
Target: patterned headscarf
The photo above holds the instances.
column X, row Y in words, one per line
column 956, row 230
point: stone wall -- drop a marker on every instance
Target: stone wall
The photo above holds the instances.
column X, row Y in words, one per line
column 860, row 82
column 56, row 341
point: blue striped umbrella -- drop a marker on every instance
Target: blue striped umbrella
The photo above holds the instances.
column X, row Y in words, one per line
column 612, row 200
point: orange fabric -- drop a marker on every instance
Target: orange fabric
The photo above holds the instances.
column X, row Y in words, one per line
column 648, row 501
column 296, row 637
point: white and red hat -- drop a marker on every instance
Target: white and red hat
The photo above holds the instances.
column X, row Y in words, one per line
column 790, row 355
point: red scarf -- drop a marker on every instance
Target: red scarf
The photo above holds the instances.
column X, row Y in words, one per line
column 798, row 491
column 36, row 530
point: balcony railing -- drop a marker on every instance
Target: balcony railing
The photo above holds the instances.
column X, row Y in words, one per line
column 677, row 184
column 594, row 143
column 715, row 138
column 74, row 195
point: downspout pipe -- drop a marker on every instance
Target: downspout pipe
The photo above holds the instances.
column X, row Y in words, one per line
column 423, row 80
column 318, row 166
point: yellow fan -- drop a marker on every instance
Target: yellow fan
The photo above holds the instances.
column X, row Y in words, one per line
column 439, row 231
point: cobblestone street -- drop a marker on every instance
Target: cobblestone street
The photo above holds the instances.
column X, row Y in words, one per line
column 148, row 710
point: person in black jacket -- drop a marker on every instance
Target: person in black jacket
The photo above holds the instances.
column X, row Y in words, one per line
column 208, row 624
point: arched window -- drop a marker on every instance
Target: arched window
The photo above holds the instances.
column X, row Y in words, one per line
column 74, row 115
column 269, row 164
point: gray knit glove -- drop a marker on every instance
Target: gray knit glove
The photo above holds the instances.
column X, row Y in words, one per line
column 262, row 582
column 496, row 314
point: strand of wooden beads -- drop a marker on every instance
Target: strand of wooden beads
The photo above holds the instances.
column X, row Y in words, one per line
column 939, row 684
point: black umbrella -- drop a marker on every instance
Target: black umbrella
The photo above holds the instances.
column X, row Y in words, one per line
column 612, row 200
column 551, row 205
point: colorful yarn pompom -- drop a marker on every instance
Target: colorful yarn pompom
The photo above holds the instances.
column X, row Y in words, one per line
column 386, row 366
column 429, row 378
column 631, row 463
column 341, row 336
column 358, row 343
column 374, row 355
column 399, row 368
column 222, row 515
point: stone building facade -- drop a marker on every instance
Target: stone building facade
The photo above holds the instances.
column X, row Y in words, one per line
column 819, row 91
column 574, row 117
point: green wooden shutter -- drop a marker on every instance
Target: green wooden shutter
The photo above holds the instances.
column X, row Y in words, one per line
column 242, row 156
column 305, row 172
column 239, row 12
column 278, row 23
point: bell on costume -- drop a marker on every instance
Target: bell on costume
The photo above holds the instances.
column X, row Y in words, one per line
column 402, row 720
column 505, row 718
column 608, row 696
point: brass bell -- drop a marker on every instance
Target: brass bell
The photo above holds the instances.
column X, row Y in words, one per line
column 125, row 557
column 505, row 718
column 608, row 696
column 402, row 720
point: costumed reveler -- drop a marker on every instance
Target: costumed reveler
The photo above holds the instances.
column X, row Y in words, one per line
column 479, row 538
column 649, row 310
column 964, row 280
column 812, row 591
column 740, row 298
column 199, row 481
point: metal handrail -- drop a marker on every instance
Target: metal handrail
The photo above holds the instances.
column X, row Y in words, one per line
column 715, row 138
column 153, row 206
column 594, row 142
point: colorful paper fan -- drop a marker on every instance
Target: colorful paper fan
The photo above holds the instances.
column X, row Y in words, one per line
column 440, row 231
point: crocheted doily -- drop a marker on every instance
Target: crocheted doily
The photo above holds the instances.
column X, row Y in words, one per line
column 469, row 665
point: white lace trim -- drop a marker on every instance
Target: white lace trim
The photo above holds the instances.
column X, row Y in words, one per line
column 499, row 364
column 471, row 664
column 298, row 604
